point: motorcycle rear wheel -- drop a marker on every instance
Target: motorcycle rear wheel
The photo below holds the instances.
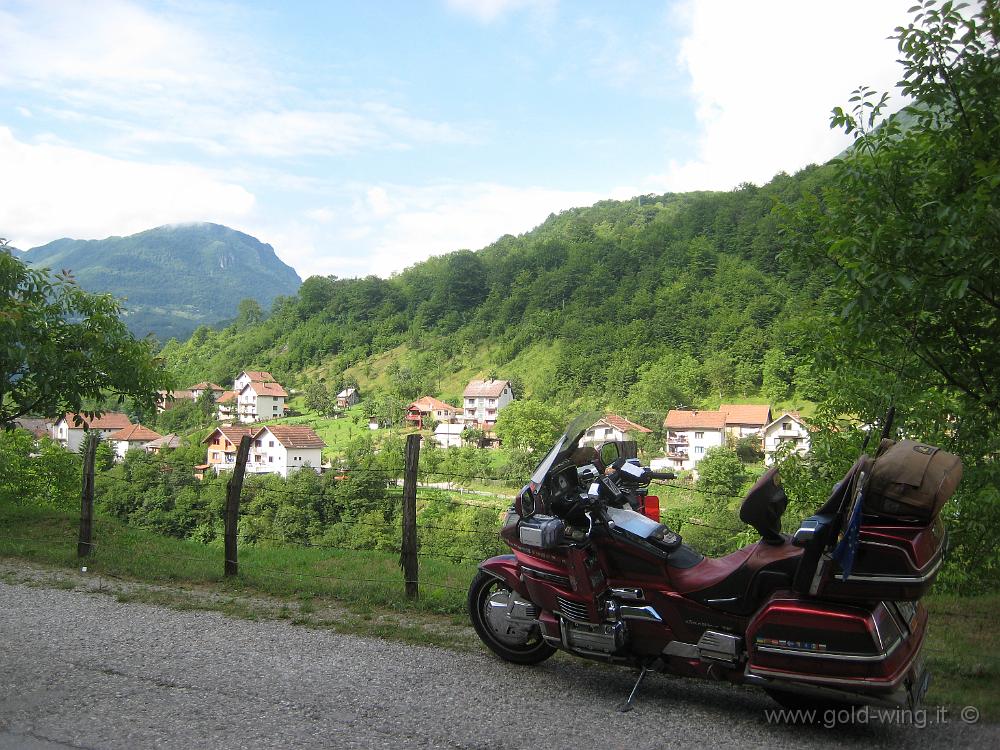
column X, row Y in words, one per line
column 533, row 651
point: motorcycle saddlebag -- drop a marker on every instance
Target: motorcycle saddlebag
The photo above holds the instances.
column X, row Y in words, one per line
column 911, row 481
column 861, row 647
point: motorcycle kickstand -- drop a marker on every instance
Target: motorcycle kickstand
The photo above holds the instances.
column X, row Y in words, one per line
column 628, row 704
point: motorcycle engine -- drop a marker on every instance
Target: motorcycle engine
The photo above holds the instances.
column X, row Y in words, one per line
column 605, row 638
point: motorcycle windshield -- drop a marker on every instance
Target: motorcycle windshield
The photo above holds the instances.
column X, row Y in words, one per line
column 564, row 446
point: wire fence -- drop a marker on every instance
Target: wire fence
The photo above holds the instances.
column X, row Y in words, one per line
column 354, row 510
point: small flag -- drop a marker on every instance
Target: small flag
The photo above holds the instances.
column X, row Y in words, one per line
column 848, row 544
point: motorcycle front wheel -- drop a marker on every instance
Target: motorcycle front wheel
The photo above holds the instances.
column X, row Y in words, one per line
column 519, row 648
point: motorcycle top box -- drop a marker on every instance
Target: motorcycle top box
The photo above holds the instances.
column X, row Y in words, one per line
column 830, row 616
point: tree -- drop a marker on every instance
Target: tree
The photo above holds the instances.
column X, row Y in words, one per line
column 249, row 313
column 61, row 347
column 913, row 225
column 528, row 425
column 721, row 473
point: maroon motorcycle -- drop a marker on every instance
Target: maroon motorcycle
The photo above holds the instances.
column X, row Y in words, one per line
column 829, row 615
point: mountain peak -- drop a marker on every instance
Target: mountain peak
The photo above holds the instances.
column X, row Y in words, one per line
column 174, row 277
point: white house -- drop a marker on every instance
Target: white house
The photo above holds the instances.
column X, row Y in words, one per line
column 71, row 435
column 281, row 449
column 249, row 376
column 133, row 437
column 259, row 401
column 613, row 428
column 226, row 406
column 690, row 434
column 788, row 428
column 482, row 400
column 449, row 435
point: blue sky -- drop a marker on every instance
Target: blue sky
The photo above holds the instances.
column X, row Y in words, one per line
column 360, row 138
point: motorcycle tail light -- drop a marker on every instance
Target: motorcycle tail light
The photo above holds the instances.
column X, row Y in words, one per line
column 651, row 507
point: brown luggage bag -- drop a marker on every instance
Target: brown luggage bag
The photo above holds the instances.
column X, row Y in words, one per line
column 911, row 481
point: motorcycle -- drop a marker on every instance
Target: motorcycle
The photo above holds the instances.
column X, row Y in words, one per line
column 830, row 615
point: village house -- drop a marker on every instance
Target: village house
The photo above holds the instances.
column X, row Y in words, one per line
column 612, row 428
column 200, row 388
column 249, row 376
column 169, row 441
column 37, row 427
column 222, row 444
column 428, row 408
column 226, row 406
column 259, row 401
column 169, row 399
column 743, row 420
column 347, row 398
column 282, row 449
column 482, row 400
column 133, row 437
column 789, row 428
column 690, row 435
column 449, row 434
column 71, row 435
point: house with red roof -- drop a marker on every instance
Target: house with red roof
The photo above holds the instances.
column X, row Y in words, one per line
column 222, row 445
column 261, row 400
column 691, row 434
column 743, row 420
column 429, row 408
column 613, row 428
column 226, row 405
column 71, row 429
column 282, row 449
column 133, row 437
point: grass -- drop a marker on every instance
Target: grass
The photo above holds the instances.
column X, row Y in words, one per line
column 363, row 578
column 362, row 592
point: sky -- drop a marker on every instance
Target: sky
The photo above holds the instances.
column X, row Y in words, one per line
column 360, row 138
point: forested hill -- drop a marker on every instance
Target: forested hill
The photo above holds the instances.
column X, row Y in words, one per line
column 175, row 277
column 640, row 304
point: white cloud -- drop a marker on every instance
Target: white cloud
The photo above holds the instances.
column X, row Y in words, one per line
column 150, row 80
column 61, row 191
column 765, row 76
column 411, row 223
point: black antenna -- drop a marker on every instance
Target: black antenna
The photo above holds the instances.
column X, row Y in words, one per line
column 890, row 416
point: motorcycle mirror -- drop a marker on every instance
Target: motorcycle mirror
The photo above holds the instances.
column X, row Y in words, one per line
column 525, row 502
column 609, row 453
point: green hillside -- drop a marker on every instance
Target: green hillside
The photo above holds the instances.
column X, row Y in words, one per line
column 641, row 305
column 174, row 278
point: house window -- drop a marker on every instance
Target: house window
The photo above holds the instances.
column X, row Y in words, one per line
column 218, row 441
column 699, row 436
column 699, row 449
column 786, row 425
column 270, row 443
column 492, row 401
column 258, row 443
column 270, row 459
column 215, row 455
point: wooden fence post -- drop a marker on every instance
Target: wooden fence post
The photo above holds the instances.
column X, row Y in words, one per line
column 87, row 496
column 233, row 489
column 408, row 551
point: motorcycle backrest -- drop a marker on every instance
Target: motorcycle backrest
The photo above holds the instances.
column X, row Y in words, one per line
column 764, row 505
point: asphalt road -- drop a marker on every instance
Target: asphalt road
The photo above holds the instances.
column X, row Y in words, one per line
column 85, row 671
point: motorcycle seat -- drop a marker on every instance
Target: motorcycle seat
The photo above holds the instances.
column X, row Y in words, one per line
column 739, row 580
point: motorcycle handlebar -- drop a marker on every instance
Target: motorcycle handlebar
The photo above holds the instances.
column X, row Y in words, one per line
column 662, row 475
